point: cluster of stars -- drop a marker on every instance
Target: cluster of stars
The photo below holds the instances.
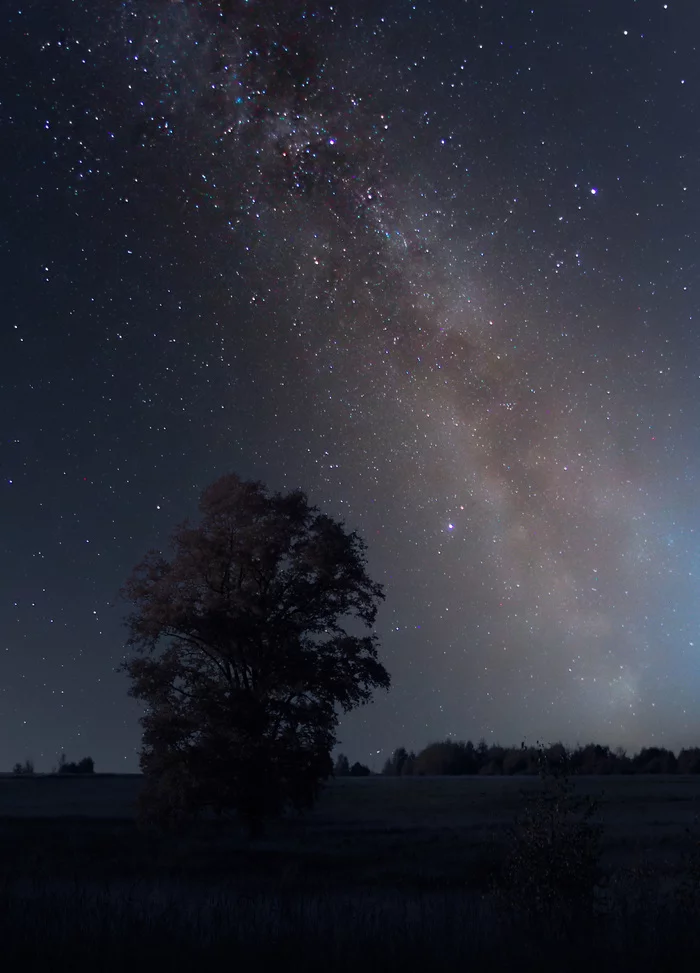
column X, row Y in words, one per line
column 415, row 259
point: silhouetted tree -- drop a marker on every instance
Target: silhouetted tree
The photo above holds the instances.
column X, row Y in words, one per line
column 23, row 770
column 395, row 763
column 593, row 759
column 447, row 757
column 622, row 763
column 463, row 758
column 26, row 769
column 493, row 758
column 342, row 766
column 408, row 766
column 523, row 760
column 689, row 761
column 466, row 761
column 84, row 766
column 359, row 770
column 555, row 758
column 246, row 652
column 435, row 759
column 654, row 760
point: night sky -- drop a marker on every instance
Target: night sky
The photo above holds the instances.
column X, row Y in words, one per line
column 435, row 263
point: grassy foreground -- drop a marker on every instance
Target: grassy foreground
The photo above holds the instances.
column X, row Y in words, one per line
column 385, row 874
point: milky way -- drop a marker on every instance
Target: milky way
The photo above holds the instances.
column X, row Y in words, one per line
column 445, row 286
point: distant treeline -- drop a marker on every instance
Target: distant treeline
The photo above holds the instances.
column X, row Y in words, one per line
column 84, row 766
column 455, row 757
column 342, row 768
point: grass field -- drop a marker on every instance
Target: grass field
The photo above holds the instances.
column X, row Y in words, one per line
column 385, row 872
column 638, row 813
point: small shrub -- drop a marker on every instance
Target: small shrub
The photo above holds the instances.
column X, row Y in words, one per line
column 25, row 769
column 553, row 861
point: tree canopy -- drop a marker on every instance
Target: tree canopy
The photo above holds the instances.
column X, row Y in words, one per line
column 249, row 641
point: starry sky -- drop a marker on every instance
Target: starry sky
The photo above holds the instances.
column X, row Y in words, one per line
column 435, row 263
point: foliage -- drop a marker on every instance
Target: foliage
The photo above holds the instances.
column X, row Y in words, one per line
column 654, row 760
column 342, row 766
column 25, row 770
column 553, row 863
column 688, row 761
column 400, row 764
column 395, row 763
column 246, row 648
column 456, row 757
column 84, row 766
column 521, row 761
column 409, row 764
column 359, row 770
column 447, row 757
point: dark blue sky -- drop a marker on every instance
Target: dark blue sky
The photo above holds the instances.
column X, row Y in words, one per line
column 450, row 290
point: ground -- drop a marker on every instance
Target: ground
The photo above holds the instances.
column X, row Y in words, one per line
column 377, row 857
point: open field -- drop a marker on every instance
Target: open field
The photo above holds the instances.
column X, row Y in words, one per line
column 410, row 832
column 414, row 800
column 649, row 812
column 641, row 815
column 385, row 872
